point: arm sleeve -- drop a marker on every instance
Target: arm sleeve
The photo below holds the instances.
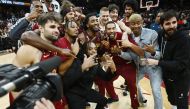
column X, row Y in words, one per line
column 154, row 42
column 18, row 28
column 126, row 56
column 72, row 74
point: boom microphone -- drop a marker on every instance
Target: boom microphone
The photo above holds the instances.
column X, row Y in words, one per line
column 36, row 71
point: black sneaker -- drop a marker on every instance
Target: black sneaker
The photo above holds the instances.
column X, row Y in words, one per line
column 87, row 104
column 111, row 100
column 143, row 103
column 122, row 86
column 125, row 93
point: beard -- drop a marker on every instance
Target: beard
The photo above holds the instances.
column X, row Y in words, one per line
column 112, row 36
column 170, row 31
column 52, row 38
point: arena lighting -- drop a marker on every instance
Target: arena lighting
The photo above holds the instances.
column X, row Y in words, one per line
column 10, row 2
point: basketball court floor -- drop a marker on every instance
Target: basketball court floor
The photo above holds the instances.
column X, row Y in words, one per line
column 124, row 101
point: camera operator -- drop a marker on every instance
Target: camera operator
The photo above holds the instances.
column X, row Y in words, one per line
column 28, row 55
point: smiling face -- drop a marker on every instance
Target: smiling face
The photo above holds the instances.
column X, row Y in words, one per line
column 93, row 24
column 37, row 6
column 91, row 49
column 50, row 30
column 136, row 23
column 104, row 17
column 170, row 26
column 110, row 30
column 128, row 11
column 114, row 15
column 70, row 15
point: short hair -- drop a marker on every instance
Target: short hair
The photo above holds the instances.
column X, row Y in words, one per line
column 104, row 9
column 134, row 17
column 78, row 9
column 50, row 16
column 168, row 15
column 132, row 3
column 87, row 46
column 86, row 20
column 112, row 7
column 109, row 22
column 66, row 7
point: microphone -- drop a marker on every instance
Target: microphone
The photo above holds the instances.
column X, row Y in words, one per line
column 36, row 71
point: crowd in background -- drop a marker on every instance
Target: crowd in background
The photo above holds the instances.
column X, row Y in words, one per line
column 9, row 16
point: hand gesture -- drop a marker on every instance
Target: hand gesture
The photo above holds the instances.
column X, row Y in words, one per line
column 125, row 43
column 152, row 62
column 106, row 44
column 33, row 15
column 109, row 63
column 75, row 47
column 149, row 48
column 116, row 49
column 89, row 62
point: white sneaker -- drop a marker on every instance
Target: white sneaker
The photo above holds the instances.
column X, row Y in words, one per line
column 174, row 107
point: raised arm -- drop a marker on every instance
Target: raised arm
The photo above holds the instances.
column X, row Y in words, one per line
column 32, row 38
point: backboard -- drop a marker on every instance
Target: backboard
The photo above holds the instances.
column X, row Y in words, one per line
column 149, row 4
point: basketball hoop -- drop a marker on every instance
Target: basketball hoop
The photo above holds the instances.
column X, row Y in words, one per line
column 149, row 4
column 148, row 8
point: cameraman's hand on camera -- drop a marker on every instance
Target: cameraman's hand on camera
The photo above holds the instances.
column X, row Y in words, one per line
column 75, row 47
column 89, row 62
column 152, row 61
column 44, row 104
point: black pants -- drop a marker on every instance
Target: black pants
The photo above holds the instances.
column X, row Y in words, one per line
column 177, row 91
column 76, row 101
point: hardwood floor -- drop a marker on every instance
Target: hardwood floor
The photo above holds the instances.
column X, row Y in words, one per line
column 124, row 101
